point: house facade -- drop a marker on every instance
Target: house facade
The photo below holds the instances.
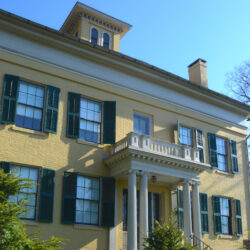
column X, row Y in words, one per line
column 113, row 143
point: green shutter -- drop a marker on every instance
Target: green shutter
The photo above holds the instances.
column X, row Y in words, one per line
column 5, row 166
column 109, row 122
column 212, row 150
column 150, row 215
column 178, row 131
column 180, row 209
column 238, row 219
column 234, row 159
column 46, row 195
column 73, row 125
column 69, row 198
column 9, row 99
column 204, row 213
column 51, row 111
column 199, row 144
column 217, row 214
column 108, row 202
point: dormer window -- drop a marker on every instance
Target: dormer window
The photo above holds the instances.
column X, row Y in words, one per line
column 94, row 36
column 106, row 40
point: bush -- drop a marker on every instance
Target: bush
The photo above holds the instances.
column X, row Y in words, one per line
column 13, row 234
column 166, row 237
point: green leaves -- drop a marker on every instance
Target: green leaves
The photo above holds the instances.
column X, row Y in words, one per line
column 166, row 237
column 12, row 231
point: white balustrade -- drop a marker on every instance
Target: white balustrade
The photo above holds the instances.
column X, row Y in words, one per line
column 149, row 144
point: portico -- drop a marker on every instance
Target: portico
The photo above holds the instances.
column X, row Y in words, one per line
column 138, row 158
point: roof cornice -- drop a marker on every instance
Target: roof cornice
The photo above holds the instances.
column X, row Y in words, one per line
column 126, row 62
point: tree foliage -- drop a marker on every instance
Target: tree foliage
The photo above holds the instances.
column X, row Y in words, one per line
column 166, row 237
column 13, row 234
column 238, row 82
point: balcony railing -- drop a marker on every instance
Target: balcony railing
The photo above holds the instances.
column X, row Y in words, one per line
column 151, row 145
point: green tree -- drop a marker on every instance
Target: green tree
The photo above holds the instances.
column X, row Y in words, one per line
column 13, row 234
column 166, row 237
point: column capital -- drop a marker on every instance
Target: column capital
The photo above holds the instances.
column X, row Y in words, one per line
column 143, row 173
column 132, row 171
column 194, row 183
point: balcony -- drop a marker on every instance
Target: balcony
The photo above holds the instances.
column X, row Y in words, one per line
column 139, row 152
column 148, row 144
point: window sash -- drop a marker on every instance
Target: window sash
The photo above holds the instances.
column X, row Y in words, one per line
column 186, row 136
column 142, row 123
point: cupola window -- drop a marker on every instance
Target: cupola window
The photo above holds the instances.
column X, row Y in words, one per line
column 94, row 36
column 106, row 40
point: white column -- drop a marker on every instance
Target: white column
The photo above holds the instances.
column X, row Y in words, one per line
column 112, row 230
column 196, row 211
column 143, row 208
column 187, row 211
column 132, row 216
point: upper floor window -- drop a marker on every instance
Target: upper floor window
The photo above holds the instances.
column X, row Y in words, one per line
column 186, row 136
column 106, row 40
column 90, row 120
column 29, row 194
column 142, row 123
column 219, row 152
column 30, row 105
column 29, row 110
column 94, row 36
column 222, row 154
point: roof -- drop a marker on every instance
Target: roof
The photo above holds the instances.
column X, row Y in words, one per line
column 81, row 10
column 129, row 59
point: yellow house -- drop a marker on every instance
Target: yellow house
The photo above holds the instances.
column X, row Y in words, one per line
column 114, row 143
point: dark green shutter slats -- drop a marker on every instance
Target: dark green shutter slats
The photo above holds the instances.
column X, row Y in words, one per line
column 180, row 209
column 234, row 159
column 212, row 150
column 5, row 166
column 51, row 111
column 73, row 123
column 178, row 132
column 46, row 195
column 217, row 214
column 108, row 202
column 204, row 213
column 238, row 219
column 69, row 198
column 109, row 122
column 9, row 99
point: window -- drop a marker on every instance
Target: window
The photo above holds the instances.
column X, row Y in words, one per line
column 90, row 120
column 87, row 118
column 142, row 123
column 218, row 153
column 26, row 104
column 222, row 154
column 45, row 192
column 106, row 40
column 87, row 200
column 222, row 215
column 186, row 136
column 26, row 193
column 29, row 110
column 94, row 36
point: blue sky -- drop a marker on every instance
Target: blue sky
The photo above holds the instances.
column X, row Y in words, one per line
column 169, row 34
